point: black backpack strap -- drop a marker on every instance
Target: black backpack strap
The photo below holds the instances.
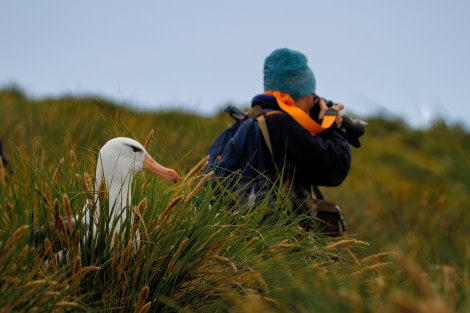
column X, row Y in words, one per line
column 235, row 112
column 316, row 191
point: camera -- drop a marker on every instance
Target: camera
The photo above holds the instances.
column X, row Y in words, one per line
column 354, row 127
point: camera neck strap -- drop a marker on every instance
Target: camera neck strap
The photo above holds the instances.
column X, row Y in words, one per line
column 287, row 104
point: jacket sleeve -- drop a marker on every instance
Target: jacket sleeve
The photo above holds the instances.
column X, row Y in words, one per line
column 323, row 159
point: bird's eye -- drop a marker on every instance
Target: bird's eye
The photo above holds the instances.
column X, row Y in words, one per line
column 136, row 149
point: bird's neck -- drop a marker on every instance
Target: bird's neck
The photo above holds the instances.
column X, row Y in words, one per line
column 119, row 199
column 119, row 195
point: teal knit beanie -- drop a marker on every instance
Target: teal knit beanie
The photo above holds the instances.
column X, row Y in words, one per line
column 287, row 71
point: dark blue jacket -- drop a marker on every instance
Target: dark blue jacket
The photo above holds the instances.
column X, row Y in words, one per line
column 322, row 160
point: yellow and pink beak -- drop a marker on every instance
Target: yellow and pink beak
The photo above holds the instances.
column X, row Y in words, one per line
column 155, row 168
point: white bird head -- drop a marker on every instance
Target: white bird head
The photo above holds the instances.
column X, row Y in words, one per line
column 121, row 158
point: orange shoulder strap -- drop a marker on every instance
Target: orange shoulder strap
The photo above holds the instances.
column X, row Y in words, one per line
column 286, row 103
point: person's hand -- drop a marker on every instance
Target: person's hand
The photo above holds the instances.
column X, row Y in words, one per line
column 324, row 108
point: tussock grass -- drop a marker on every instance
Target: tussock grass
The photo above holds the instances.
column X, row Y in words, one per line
column 406, row 249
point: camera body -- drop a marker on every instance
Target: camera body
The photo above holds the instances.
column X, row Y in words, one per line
column 354, row 127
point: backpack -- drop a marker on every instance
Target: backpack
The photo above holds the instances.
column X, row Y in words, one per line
column 236, row 157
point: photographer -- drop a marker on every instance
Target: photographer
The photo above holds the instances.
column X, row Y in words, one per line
column 321, row 159
column 309, row 157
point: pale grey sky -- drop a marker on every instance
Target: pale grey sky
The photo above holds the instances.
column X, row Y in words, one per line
column 406, row 57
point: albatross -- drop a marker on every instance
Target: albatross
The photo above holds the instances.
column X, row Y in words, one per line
column 119, row 160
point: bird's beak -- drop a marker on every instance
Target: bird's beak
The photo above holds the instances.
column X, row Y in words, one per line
column 153, row 167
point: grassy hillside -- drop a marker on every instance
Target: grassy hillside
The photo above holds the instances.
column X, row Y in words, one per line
column 405, row 202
